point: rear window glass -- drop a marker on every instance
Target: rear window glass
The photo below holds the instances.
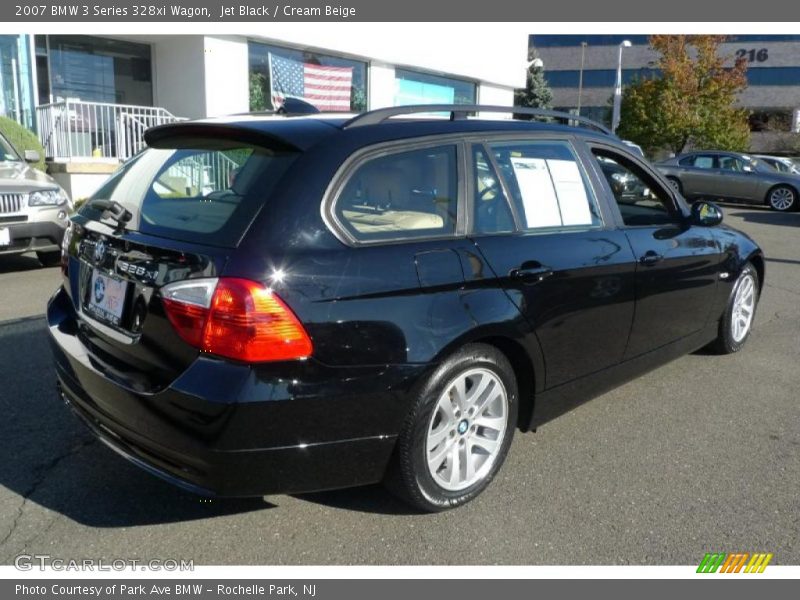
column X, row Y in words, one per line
column 204, row 191
column 405, row 195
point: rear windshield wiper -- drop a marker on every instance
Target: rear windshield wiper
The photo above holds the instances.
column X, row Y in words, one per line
column 112, row 209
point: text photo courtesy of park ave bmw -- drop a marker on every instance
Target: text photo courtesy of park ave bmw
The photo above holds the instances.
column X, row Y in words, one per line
column 508, row 299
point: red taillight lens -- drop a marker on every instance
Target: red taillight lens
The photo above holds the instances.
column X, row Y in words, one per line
column 237, row 318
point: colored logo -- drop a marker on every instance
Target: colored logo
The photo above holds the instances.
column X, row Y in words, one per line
column 99, row 251
column 99, row 290
column 738, row 562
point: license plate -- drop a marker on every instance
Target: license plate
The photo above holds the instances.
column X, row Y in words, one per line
column 5, row 237
column 107, row 297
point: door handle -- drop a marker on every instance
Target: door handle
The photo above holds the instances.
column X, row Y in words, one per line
column 531, row 271
column 650, row 258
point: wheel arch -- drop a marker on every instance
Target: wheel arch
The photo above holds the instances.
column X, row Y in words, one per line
column 757, row 260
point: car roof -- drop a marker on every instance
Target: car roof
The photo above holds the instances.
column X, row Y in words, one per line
column 303, row 132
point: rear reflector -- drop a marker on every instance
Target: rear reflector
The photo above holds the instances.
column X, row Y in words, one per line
column 235, row 318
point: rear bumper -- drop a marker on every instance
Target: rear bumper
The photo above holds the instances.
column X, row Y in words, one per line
column 233, row 430
column 41, row 236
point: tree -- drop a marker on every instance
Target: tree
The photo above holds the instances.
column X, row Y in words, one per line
column 693, row 100
column 258, row 93
column 536, row 93
column 22, row 139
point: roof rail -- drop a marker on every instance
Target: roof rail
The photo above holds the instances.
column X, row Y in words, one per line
column 461, row 111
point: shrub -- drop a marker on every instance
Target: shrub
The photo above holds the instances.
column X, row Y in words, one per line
column 22, row 139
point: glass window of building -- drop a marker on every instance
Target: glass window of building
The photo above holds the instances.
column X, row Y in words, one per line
column 16, row 79
column 331, row 83
column 414, row 87
column 93, row 69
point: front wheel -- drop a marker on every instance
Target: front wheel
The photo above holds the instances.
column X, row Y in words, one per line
column 737, row 321
column 782, row 198
column 457, row 435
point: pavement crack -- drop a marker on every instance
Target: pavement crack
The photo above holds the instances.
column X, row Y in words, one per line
column 40, row 475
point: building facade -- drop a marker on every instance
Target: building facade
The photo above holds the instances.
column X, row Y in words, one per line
column 90, row 98
column 773, row 74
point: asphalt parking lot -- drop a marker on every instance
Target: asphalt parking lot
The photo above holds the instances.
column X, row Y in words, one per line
column 701, row 455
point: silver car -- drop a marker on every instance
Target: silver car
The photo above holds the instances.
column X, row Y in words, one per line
column 731, row 176
column 34, row 209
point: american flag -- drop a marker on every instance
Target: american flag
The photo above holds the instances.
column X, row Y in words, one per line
column 327, row 88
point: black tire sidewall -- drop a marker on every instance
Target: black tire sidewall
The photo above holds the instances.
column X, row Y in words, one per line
column 426, row 493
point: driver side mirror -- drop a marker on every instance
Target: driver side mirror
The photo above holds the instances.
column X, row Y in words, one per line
column 31, row 156
column 748, row 169
column 706, row 214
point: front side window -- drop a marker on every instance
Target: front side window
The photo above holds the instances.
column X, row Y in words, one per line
column 640, row 198
column 731, row 163
column 547, row 185
column 402, row 195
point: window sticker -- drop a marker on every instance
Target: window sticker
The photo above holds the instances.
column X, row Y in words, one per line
column 553, row 192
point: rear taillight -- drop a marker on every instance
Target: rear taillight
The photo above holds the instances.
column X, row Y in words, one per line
column 235, row 318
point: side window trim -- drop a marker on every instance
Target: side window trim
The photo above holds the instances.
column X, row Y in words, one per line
column 484, row 147
column 362, row 156
column 676, row 207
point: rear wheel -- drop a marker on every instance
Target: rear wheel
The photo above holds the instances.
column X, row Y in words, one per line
column 782, row 198
column 49, row 259
column 737, row 321
column 457, row 435
column 676, row 184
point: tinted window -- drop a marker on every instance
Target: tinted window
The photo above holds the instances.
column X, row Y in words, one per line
column 640, row 198
column 731, row 163
column 700, row 161
column 200, row 190
column 546, row 184
column 402, row 195
column 491, row 211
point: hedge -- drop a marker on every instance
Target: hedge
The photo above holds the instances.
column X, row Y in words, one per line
column 22, row 139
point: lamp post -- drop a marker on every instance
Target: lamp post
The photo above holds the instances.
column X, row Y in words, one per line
column 618, row 87
column 580, row 76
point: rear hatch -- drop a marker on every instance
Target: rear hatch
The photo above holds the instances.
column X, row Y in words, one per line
column 187, row 203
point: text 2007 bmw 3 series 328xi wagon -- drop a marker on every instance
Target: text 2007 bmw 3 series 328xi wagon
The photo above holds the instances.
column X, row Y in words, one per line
column 285, row 303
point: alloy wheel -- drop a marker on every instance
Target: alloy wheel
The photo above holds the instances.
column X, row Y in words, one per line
column 781, row 198
column 744, row 303
column 467, row 429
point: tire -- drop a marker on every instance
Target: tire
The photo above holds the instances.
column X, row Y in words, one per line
column 731, row 339
column 49, row 259
column 676, row 184
column 430, row 437
column 782, row 198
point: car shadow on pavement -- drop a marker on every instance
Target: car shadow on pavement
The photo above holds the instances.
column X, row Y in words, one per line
column 764, row 216
column 19, row 262
column 374, row 499
column 51, row 459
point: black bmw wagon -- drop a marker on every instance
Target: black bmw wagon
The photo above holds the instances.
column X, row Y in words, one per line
column 284, row 303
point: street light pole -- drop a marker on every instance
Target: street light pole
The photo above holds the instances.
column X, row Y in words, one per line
column 580, row 76
column 618, row 88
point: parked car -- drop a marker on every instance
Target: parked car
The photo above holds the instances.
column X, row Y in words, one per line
column 34, row 209
column 268, row 304
column 780, row 163
column 731, row 176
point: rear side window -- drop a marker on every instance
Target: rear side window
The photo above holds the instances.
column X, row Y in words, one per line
column 547, row 185
column 699, row 161
column 199, row 190
column 402, row 195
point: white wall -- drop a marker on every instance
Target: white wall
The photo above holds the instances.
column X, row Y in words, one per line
column 490, row 52
column 179, row 74
column 227, row 85
column 494, row 95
